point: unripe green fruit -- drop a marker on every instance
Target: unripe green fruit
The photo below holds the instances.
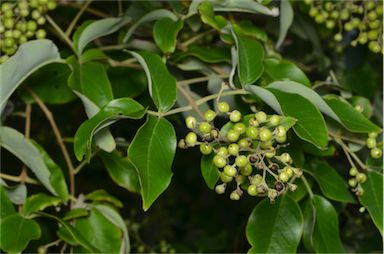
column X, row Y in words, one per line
column 379, row 10
column 280, row 131
column 9, row 42
column 338, row 37
column 2, row 28
column 5, row 7
column 220, row 189
column 223, row 152
column 372, row 135
column 283, row 177
column 8, row 34
column 40, row 21
column 16, row 34
column 51, row 5
column 267, row 144
column 344, row 15
column 234, row 195
column 8, row 23
column 256, row 180
column 233, row 135
column 10, row 51
column 31, row 25
column 225, row 179
column 240, row 128
column 328, row 6
column 275, row 120
column 41, row 34
column 372, row 15
column 313, row 11
column 288, row 171
column 285, row 157
column 348, row 26
column 240, row 179
column 363, row 38
column 373, row 34
column 229, row 171
column 252, row 132
column 361, row 178
column 42, row 2
column 330, row 24
column 235, row 116
column 205, row 127
column 214, row 133
column 270, row 155
column 247, row 170
column 3, row 58
column 233, row 149
column 209, row 115
column 8, row 14
column 252, row 190
column 371, row 142
column 223, row 107
column 219, row 161
column 244, row 143
column 265, row 134
column 35, row 14
column 374, row 46
column 319, row 18
column 241, row 161
column 191, row 139
column 190, row 122
column 261, row 117
column 353, row 171
column 253, row 122
column 24, row 12
column 205, row 149
column 29, row 34
column 376, row 153
column 352, row 182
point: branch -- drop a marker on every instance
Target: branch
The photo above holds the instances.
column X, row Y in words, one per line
column 77, row 17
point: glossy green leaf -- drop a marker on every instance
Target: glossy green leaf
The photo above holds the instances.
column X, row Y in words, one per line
column 372, row 198
column 97, row 29
column 6, row 205
column 17, row 193
column 92, row 55
column 322, row 227
column 250, row 59
column 352, row 119
column 113, row 111
column 29, row 57
column 208, row 16
column 266, row 96
column 165, row 33
column 286, row 19
column 275, row 228
column 285, row 70
column 76, row 213
column 39, row 202
column 22, row 148
column 103, row 196
column 247, row 28
column 206, row 54
column 331, row 183
column 50, row 84
column 209, row 171
column 16, row 232
column 127, row 82
column 161, row 83
column 364, row 104
column 100, row 232
column 150, row 16
column 311, row 149
column 310, row 124
column 301, row 190
column 152, row 151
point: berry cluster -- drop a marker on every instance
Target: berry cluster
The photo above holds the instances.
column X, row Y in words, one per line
column 20, row 21
column 357, row 179
column 245, row 151
column 376, row 152
column 365, row 17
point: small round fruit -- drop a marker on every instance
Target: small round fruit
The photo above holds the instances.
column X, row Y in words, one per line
column 229, row 171
column 31, row 25
column 220, row 189
column 283, row 177
column 235, row 116
column 252, row 159
column 253, row 122
column 8, row 23
column 252, row 190
column 233, row 149
column 225, row 179
column 256, row 180
column 240, row 179
column 214, row 133
column 181, row 144
column 275, row 120
column 205, row 148
column 376, row 153
column 241, row 161
column 261, row 117
column 279, row 186
column 285, row 157
column 190, row 122
column 244, row 143
column 191, row 139
column 247, row 170
column 40, row 21
column 280, row 131
column 361, row 177
column 353, row 171
column 252, row 132
column 240, row 127
column 371, row 142
column 234, row 195
column 281, row 139
column 372, row 135
column 41, row 34
column 265, row 134
column 209, row 115
column 51, row 5
column 35, row 14
column 266, row 145
column 223, row 151
column 233, row 135
column 352, row 182
column 9, row 42
column 223, row 107
column 338, row 37
column 288, row 171
column 271, row 154
column 219, row 161
column 205, row 127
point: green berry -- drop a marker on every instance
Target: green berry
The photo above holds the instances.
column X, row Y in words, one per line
column 235, row 116
column 229, row 171
column 234, row 195
column 352, row 182
column 219, row 161
column 3, row 58
column 223, row 107
column 253, row 122
column 190, row 122
column 31, row 25
column 16, row 34
column 9, row 42
column 8, row 34
column 267, row 144
column 240, row 127
column 252, row 190
column 240, row 179
column 283, row 177
column 205, row 127
column 220, row 189
column 376, row 153
column 373, row 34
column 372, row 135
column 275, row 120
column 372, row 15
column 280, row 131
column 233, row 149
column 344, row 15
column 265, row 134
column 338, row 37
column 191, row 139
column 361, row 177
column 348, row 26
column 209, row 115
column 285, row 157
column 353, row 171
column 35, row 14
column 225, row 179
column 241, row 161
column 261, row 117
column 8, row 14
column 247, row 170
column 371, row 142
column 256, row 180
column 40, row 21
column 205, row 149
column 319, row 18
column 363, row 38
column 8, row 23
column 313, row 11
column 330, row 24
column 233, row 136
column 270, row 155
column 244, row 143
column 41, row 34
column 223, row 152
column 252, row 132
column 51, row 5
column 374, row 46
column 379, row 10
column 289, row 171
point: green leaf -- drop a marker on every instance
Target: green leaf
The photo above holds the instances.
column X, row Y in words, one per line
column 150, row 16
column 247, row 28
column 57, row 178
column 22, row 148
column 286, row 19
column 92, row 55
column 275, row 228
column 50, row 84
column 161, row 83
column 372, row 198
column 209, row 171
column 266, row 96
column 352, row 119
column 331, row 183
column 250, row 59
column 322, row 233
column 6, row 205
column 207, row 15
column 301, row 190
column 206, row 54
column 16, row 232
column 152, row 151
column 17, row 193
column 121, row 171
column 103, row 196
column 113, row 111
column 97, row 29
column 364, row 104
column 76, row 213
column 310, row 124
column 127, row 82
column 165, row 33
column 285, row 70
column 39, row 202
column 29, row 57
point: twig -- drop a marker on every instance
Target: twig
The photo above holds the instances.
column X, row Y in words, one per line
column 307, row 185
column 90, row 10
column 63, row 36
column 18, row 179
column 199, row 79
column 190, row 100
column 84, row 162
column 77, row 17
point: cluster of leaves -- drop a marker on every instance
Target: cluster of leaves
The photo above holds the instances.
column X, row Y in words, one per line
column 153, row 80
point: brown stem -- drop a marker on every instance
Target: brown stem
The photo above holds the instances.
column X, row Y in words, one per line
column 190, row 100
